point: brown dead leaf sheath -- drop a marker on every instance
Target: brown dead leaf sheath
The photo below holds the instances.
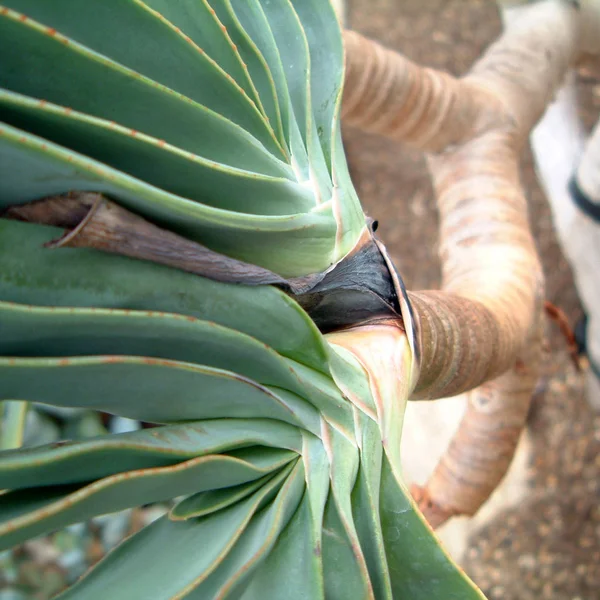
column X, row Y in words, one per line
column 485, row 325
column 93, row 221
column 357, row 289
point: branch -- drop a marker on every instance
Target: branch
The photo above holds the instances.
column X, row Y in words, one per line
column 387, row 94
column 485, row 324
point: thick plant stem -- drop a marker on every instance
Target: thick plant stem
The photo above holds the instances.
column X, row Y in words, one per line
column 387, row 94
column 483, row 328
column 492, row 280
column 480, row 453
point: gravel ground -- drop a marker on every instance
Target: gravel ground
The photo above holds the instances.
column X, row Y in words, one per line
column 550, row 546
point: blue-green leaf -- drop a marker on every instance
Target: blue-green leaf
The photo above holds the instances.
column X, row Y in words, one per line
column 29, row 513
column 32, row 274
column 70, row 462
column 182, row 554
column 149, row 389
column 129, row 82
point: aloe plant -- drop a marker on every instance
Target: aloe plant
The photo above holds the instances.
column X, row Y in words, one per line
column 203, row 136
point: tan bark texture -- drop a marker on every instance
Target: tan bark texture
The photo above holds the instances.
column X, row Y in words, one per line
column 482, row 332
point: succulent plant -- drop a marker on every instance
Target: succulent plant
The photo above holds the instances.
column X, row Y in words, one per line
column 214, row 245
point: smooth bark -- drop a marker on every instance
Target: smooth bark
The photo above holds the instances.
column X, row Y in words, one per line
column 482, row 331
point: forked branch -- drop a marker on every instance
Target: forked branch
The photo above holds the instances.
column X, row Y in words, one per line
column 485, row 324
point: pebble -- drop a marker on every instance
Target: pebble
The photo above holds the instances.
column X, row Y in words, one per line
column 114, row 529
column 74, row 563
column 123, row 425
column 10, row 594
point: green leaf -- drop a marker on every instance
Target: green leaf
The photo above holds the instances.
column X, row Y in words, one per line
column 316, row 464
column 322, row 393
column 294, row 53
column 234, row 574
column 254, row 20
column 12, row 423
column 206, row 503
column 261, row 77
column 340, row 541
column 292, row 570
column 149, row 389
column 344, row 201
column 32, row 168
column 322, row 32
column 199, row 21
column 32, row 274
column 286, row 450
column 29, row 513
column 152, row 160
column 182, row 567
column 365, row 508
column 166, row 118
column 130, row 79
column 182, row 554
column 52, row 332
column 70, row 462
column 418, row 565
column 344, row 573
